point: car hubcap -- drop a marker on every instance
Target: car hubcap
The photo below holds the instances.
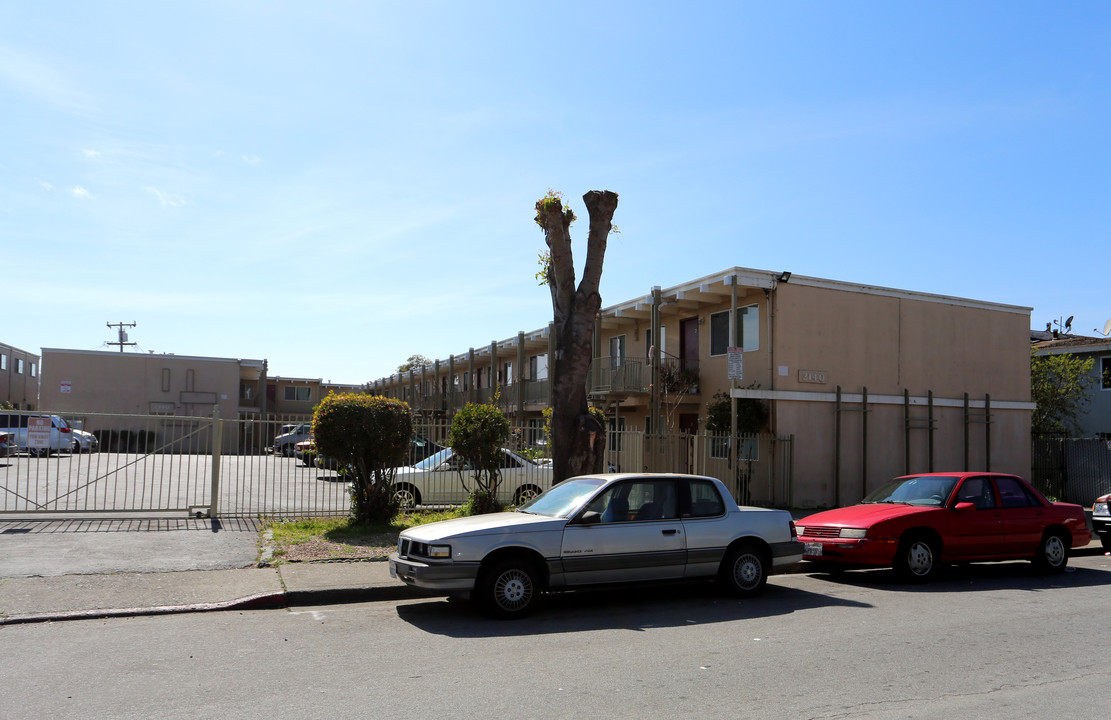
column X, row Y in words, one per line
column 1054, row 551
column 920, row 558
column 405, row 499
column 746, row 572
column 513, row 590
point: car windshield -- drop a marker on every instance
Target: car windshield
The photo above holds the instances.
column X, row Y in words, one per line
column 930, row 491
column 433, row 461
column 563, row 499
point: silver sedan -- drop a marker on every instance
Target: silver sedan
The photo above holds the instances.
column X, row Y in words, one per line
column 600, row 529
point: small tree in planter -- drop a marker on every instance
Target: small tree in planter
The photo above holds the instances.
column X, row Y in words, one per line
column 477, row 434
column 370, row 436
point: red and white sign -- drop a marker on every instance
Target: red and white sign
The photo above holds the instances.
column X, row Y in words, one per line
column 38, row 432
column 66, row 387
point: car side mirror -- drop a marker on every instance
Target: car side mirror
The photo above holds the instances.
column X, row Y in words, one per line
column 964, row 506
column 590, row 517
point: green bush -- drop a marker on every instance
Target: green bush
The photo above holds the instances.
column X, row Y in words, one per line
column 369, row 435
column 477, row 434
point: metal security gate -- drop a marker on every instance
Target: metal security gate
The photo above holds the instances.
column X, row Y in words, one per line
column 223, row 467
column 1073, row 470
column 123, row 464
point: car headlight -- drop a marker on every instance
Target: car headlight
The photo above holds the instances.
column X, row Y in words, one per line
column 855, row 533
column 1100, row 508
column 439, row 551
column 800, row 530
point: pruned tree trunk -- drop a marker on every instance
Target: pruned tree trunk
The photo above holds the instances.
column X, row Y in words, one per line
column 578, row 441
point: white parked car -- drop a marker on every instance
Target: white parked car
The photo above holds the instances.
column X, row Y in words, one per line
column 17, row 425
column 443, row 478
column 591, row 530
column 83, row 441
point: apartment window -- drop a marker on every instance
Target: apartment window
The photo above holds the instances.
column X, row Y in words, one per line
column 538, row 367
column 648, row 344
column 190, row 379
column 3, row 361
column 34, row 372
column 165, row 379
column 299, row 393
column 748, row 330
column 19, row 365
column 617, row 350
column 1105, row 373
column 246, row 391
column 719, row 333
column 507, row 373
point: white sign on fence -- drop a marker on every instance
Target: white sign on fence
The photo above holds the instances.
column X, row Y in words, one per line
column 38, row 432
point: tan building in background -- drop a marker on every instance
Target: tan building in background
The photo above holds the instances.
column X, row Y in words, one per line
column 152, row 389
column 19, row 377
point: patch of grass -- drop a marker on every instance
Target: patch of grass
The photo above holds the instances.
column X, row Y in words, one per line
column 346, row 530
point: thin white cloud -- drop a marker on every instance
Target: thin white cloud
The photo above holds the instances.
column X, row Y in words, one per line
column 80, row 192
column 166, row 199
column 91, row 153
column 252, row 159
column 45, row 185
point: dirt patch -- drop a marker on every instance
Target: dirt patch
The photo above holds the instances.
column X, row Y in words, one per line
column 371, row 546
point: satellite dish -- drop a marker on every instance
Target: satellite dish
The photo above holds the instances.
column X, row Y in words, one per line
column 1068, row 323
column 1107, row 328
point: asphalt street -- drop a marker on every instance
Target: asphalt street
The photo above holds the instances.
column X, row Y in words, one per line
column 985, row 641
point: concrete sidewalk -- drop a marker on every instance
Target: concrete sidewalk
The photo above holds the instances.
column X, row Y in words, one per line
column 76, row 597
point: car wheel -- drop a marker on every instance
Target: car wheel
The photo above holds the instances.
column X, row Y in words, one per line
column 508, row 589
column 525, row 493
column 1053, row 553
column 744, row 572
column 287, row 450
column 1105, row 541
column 407, row 496
column 917, row 559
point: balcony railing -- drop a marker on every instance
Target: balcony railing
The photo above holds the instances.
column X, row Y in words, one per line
column 618, row 375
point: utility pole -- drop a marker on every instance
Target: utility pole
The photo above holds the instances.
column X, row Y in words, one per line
column 123, row 334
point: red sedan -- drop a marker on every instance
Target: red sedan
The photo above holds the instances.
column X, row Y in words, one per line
column 916, row 523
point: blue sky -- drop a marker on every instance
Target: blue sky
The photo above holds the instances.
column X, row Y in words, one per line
column 335, row 186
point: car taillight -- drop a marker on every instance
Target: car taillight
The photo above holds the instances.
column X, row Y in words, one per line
column 65, row 429
column 794, row 533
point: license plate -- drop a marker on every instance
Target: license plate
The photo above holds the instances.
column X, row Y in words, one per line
column 812, row 549
column 393, row 571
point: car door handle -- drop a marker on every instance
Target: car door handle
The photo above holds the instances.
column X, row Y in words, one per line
column 672, row 531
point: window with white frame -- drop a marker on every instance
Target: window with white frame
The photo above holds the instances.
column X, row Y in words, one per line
column 748, row 330
column 617, row 350
column 538, row 367
column 296, row 393
column 648, row 344
column 19, row 366
column 34, row 370
column 747, row 450
column 3, row 361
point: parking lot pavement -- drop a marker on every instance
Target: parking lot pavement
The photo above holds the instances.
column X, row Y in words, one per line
column 89, row 546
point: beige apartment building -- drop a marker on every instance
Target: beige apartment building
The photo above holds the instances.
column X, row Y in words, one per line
column 867, row 382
